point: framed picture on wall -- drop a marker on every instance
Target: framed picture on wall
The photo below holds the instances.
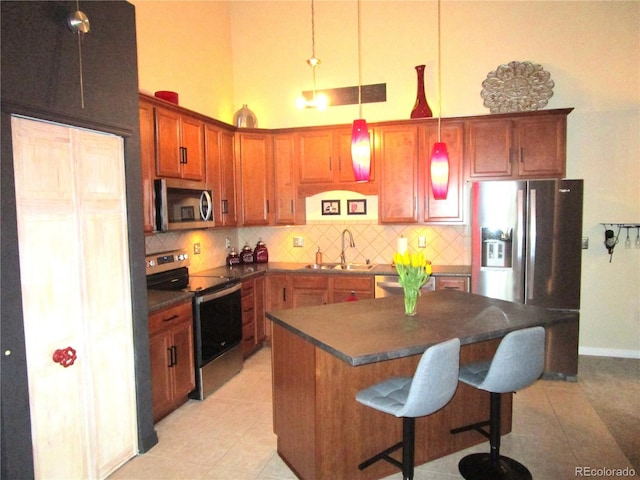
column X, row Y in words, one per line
column 356, row 207
column 330, row 207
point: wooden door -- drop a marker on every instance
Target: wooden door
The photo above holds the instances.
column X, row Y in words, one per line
column 148, row 160
column 168, row 143
column 255, row 176
column 398, row 158
column 541, row 144
column 451, row 209
column 284, row 180
column 489, row 148
column 315, row 156
column 74, row 268
column 193, row 163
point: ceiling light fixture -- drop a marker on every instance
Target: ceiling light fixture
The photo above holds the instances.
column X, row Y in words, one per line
column 319, row 100
column 439, row 154
column 360, row 142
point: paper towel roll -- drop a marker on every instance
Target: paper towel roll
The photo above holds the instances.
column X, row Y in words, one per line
column 403, row 244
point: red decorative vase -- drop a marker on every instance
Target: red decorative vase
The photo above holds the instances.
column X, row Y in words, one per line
column 421, row 109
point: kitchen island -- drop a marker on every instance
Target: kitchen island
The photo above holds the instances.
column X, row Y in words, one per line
column 322, row 356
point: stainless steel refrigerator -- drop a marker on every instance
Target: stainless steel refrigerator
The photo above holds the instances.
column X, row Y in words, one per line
column 526, row 248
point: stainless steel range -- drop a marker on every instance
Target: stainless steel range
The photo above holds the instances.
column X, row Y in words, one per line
column 217, row 316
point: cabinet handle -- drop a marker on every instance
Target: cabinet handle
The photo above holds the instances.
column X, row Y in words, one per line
column 172, row 317
column 284, row 294
column 330, row 165
column 521, row 154
column 246, row 310
column 511, row 155
column 291, row 205
column 170, row 352
column 267, row 206
column 225, row 206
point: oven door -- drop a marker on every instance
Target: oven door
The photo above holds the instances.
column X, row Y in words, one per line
column 217, row 323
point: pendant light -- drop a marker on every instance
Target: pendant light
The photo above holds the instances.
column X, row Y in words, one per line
column 319, row 101
column 439, row 154
column 360, row 143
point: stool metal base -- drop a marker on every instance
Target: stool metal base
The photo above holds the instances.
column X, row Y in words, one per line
column 479, row 466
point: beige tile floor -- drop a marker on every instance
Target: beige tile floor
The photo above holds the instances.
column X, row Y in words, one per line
column 229, row 436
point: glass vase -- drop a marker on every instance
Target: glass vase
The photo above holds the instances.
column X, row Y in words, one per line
column 410, row 300
column 421, row 108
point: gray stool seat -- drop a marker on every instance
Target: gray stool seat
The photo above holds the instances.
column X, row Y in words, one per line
column 517, row 363
column 431, row 388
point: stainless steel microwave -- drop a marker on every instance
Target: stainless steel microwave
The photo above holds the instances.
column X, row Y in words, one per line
column 181, row 208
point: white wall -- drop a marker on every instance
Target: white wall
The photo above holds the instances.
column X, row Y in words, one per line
column 591, row 49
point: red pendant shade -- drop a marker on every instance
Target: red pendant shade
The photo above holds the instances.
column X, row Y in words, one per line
column 360, row 150
column 439, row 171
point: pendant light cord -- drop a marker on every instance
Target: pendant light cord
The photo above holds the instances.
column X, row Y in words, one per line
column 359, row 66
column 439, row 77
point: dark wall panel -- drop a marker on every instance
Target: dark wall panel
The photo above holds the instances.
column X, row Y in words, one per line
column 40, row 77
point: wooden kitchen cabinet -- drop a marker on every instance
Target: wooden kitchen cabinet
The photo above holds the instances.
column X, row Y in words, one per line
column 147, row 157
column 172, row 358
column 451, row 209
column 221, row 177
column 289, row 209
column 179, row 145
column 345, row 286
column 324, row 161
column 253, row 319
column 523, row 146
column 254, row 171
column 277, row 295
column 309, row 290
column 397, row 154
column 452, row 283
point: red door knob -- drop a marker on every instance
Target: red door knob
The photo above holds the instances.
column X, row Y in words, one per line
column 65, row 356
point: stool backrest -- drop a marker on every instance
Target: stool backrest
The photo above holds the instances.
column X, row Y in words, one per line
column 435, row 380
column 518, row 361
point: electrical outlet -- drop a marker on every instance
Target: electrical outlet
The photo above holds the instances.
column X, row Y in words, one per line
column 422, row 242
column 585, row 243
column 196, row 249
column 298, row 241
column 227, row 243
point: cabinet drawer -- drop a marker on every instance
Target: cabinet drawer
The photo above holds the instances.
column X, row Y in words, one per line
column 452, row 283
column 247, row 288
column 344, row 282
column 247, row 306
column 311, row 281
column 169, row 317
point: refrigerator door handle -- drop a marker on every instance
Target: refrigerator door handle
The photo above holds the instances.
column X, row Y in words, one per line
column 531, row 256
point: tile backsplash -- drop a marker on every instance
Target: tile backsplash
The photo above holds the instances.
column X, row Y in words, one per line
column 445, row 245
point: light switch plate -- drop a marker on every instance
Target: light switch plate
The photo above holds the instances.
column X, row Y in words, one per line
column 196, row 249
column 298, row 241
column 585, row 243
column 422, row 242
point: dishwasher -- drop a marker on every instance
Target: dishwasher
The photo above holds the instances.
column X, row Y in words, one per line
column 388, row 285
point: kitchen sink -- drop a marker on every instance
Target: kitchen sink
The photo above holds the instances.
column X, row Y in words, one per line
column 354, row 266
column 339, row 266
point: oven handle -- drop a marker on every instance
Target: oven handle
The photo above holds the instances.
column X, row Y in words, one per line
column 218, row 294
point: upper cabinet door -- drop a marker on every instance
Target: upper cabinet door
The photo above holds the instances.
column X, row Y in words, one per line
column 179, row 145
column 254, row 166
column 221, row 174
column 541, row 146
column 450, row 209
column 397, row 154
column 286, row 207
column 315, row 154
column 519, row 147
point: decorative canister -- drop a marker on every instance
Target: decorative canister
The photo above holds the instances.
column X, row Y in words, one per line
column 245, row 118
column 421, row 108
column 233, row 258
column 246, row 255
column 260, row 253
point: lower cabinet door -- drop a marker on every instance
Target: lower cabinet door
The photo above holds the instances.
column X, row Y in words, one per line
column 183, row 367
column 159, row 350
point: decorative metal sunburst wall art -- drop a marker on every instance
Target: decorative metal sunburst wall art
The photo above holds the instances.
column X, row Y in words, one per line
column 517, row 87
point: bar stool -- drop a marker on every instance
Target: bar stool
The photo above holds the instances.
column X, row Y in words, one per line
column 432, row 386
column 517, row 363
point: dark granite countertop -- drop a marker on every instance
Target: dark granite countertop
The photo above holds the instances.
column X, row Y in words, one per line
column 157, row 300
column 369, row 331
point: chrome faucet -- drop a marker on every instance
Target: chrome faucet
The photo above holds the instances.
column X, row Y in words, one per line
column 352, row 244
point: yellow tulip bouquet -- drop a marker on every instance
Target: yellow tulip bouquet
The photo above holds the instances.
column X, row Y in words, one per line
column 414, row 271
